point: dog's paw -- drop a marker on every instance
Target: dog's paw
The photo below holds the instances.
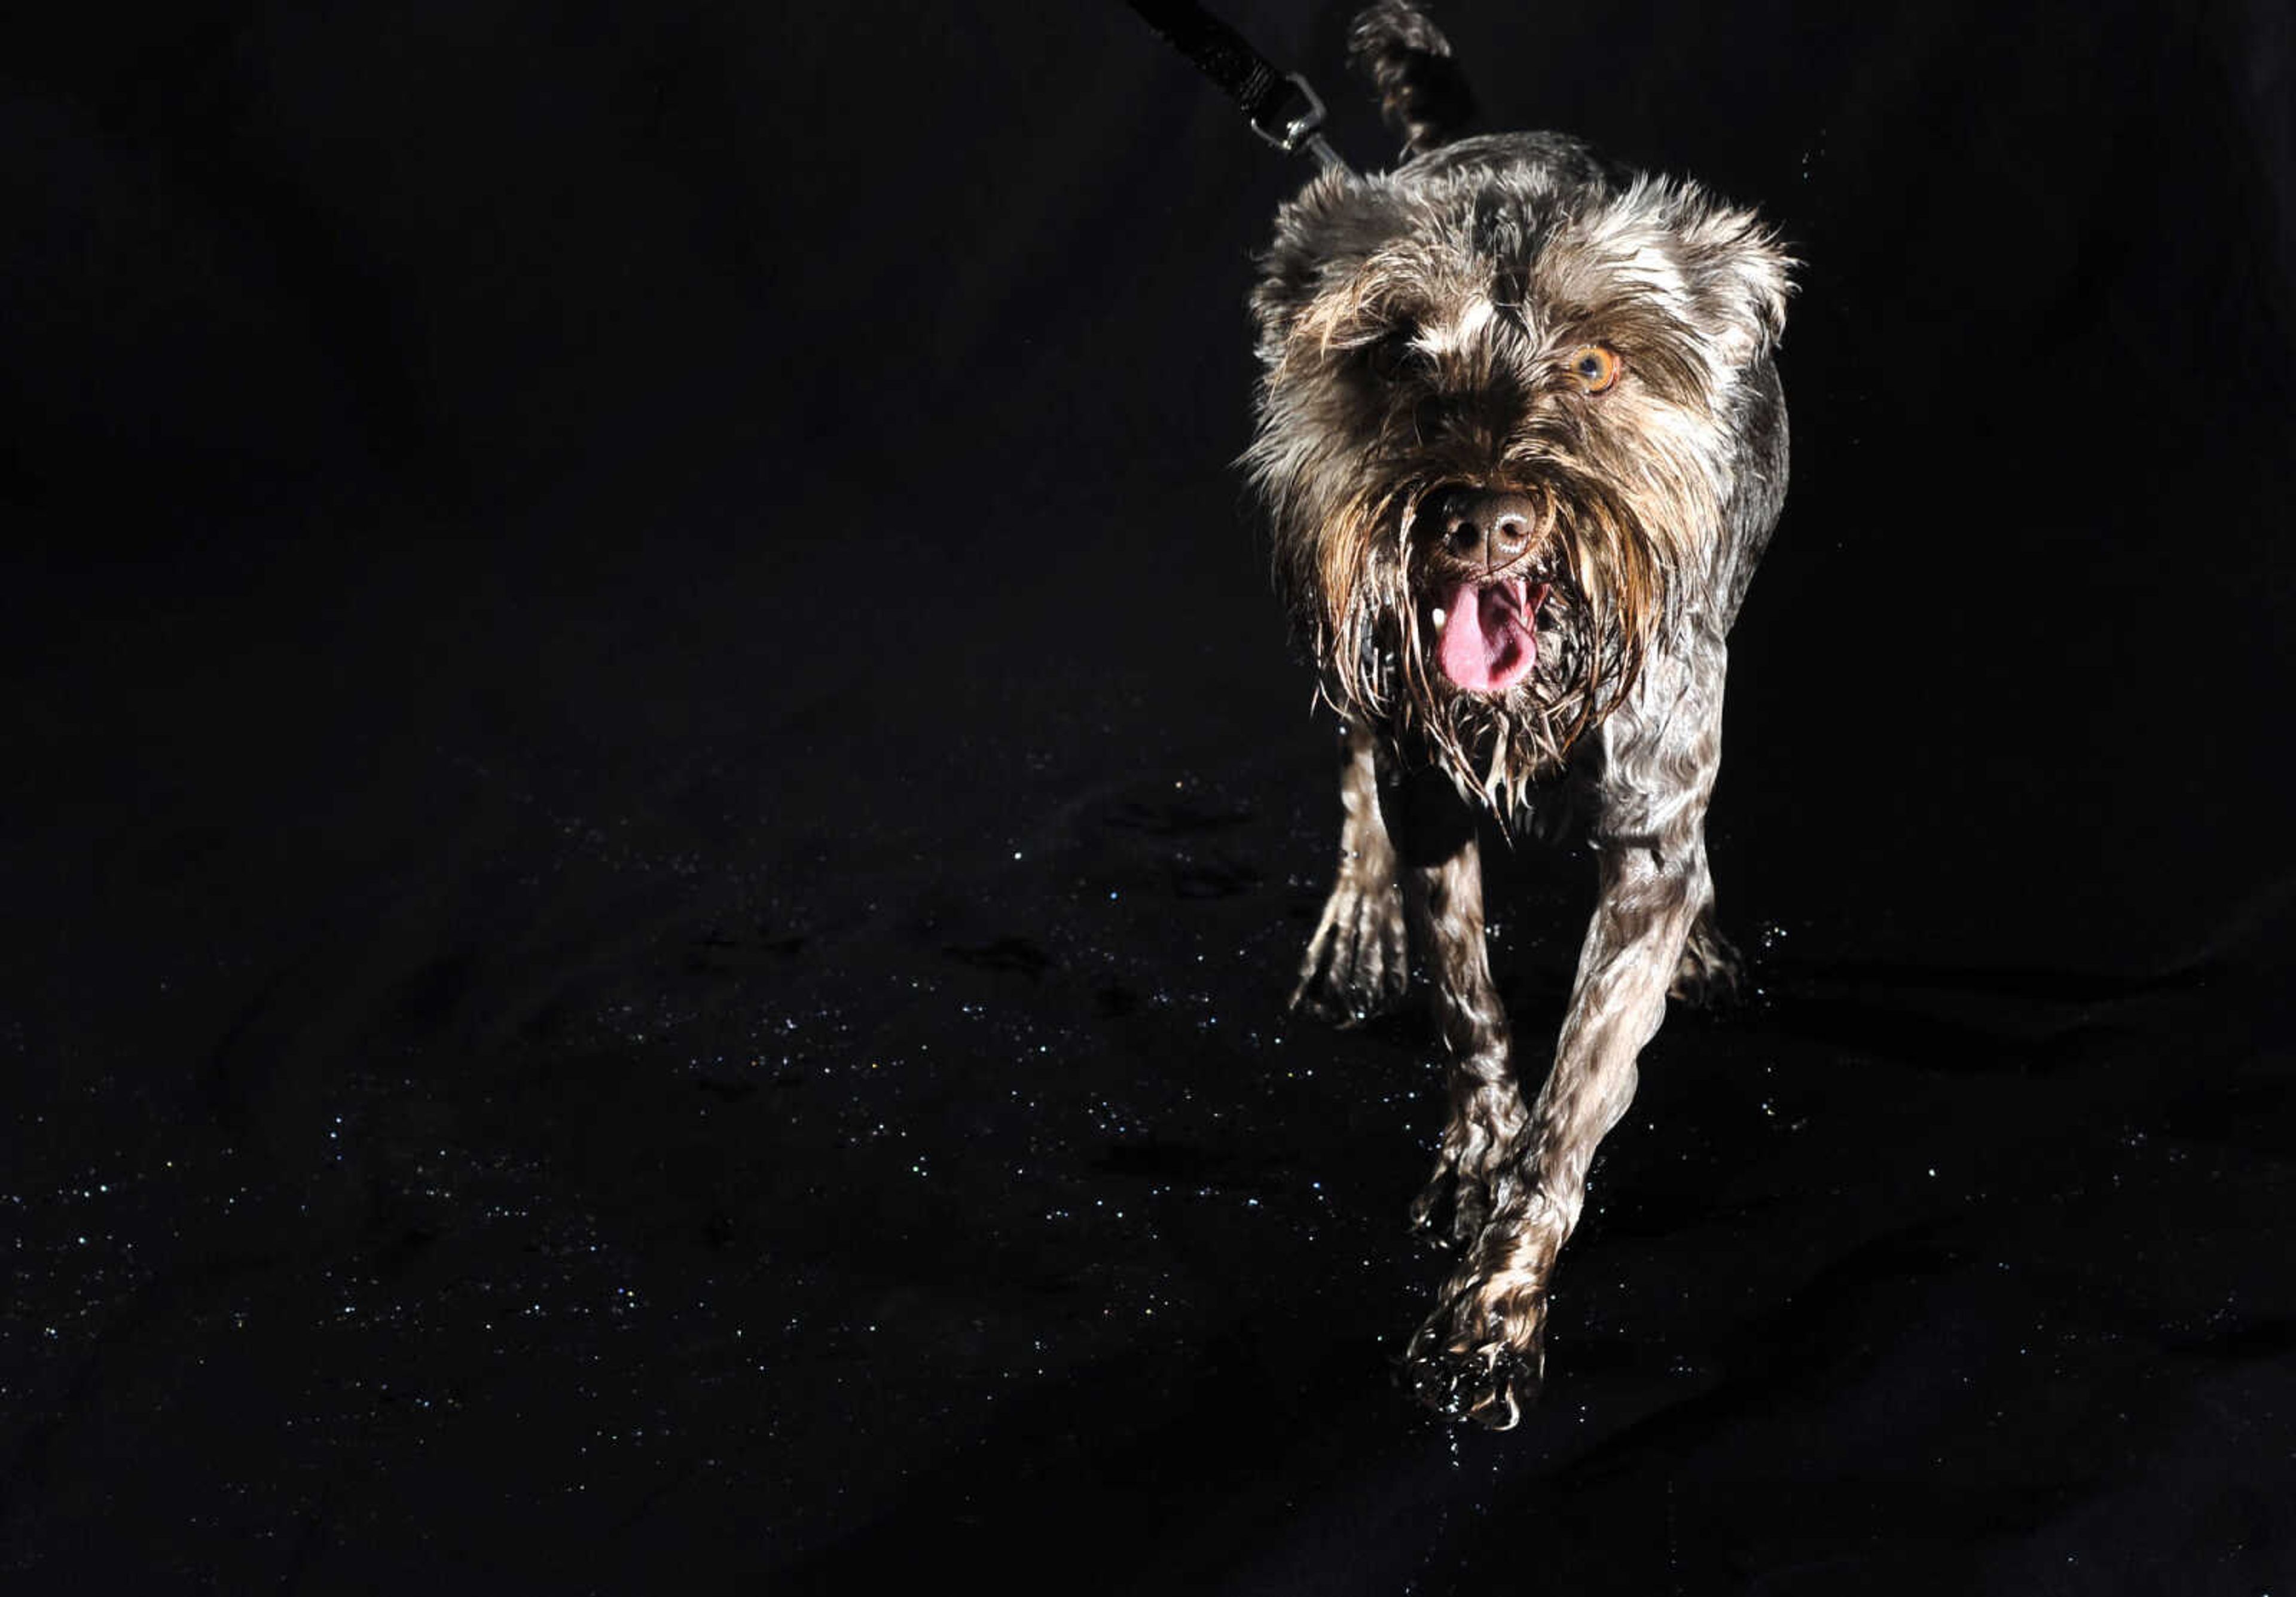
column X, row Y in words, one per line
column 1482, row 1354
column 1711, row 974
column 1357, row 965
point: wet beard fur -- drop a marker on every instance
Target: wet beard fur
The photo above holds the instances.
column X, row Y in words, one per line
column 1359, row 611
column 1496, row 748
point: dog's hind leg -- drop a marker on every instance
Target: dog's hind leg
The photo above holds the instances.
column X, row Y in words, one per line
column 1358, row 963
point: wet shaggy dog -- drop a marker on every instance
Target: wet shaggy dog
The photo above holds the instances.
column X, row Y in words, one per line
column 1521, row 442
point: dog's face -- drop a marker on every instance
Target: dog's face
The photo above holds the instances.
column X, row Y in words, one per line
column 1497, row 426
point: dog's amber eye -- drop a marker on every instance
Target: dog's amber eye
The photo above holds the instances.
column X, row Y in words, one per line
column 1595, row 367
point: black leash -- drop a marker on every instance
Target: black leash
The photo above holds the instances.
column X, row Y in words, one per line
column 1279, row 106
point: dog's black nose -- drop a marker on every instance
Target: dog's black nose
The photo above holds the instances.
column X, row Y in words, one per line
column 1494, row 529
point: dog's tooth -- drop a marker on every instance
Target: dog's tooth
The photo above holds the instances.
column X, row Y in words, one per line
column 1439, row 618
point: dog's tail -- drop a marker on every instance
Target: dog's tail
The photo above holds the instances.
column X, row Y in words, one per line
column 1422, row 94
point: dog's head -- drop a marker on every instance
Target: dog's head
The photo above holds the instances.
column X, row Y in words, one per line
column 1498, row 426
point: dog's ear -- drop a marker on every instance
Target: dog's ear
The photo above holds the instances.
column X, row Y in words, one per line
column 1321, row 237
column 1741, row 274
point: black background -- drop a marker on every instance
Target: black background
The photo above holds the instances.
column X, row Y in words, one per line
column 656, row 820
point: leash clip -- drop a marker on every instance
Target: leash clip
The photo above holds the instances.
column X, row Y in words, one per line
column 1301, row 128
column 1302, row 131
column 1244, row 76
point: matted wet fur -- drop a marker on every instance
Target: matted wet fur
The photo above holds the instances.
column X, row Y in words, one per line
column 1509, row 389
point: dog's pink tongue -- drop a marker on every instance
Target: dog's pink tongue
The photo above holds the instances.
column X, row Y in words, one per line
column 1488, row 642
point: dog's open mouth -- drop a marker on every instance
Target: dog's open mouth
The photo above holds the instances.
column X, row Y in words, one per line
column 1490, row 632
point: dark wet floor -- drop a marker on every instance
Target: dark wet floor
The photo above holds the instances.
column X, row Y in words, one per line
column 600, row 1002
column 534, row 1130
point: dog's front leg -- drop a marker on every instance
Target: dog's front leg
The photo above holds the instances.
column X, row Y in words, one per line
column 1408, row 856
column 1440, row 867
column 1481, row 1352
column 1357, row 963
